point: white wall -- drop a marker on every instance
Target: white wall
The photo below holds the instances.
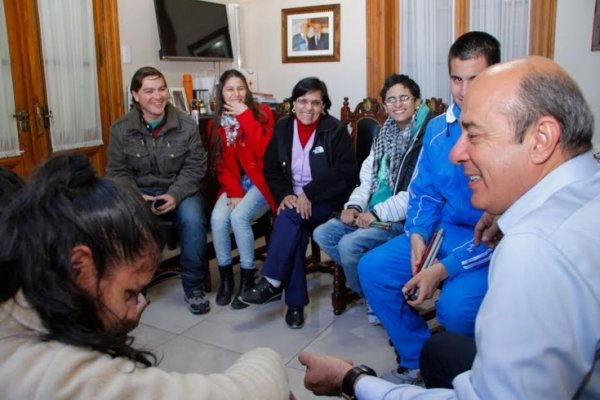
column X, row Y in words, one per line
column 572, row 51
column 260, row 28
column 139, row 31
column 261, row 50
column 260, row 36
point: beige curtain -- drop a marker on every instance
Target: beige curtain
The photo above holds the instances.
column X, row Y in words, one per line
column 67, row 30
column 9, row 137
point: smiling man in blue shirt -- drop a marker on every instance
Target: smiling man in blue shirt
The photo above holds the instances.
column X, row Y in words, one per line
column 526, row 150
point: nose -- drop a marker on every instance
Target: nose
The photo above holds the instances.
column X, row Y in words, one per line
column 458, row 154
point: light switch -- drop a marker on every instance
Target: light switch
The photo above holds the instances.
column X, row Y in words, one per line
column 125, row 54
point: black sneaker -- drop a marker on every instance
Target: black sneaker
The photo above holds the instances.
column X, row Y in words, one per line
column 262, row 293
column 196, row 302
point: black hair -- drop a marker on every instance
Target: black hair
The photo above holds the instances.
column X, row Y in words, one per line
column 475, row 44
column 553, row 94
column 10, row 184
column 312, row 84
column 64, row 205
column 138, row 77
column 403, row 80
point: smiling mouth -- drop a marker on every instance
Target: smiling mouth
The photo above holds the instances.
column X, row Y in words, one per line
column 474, row 178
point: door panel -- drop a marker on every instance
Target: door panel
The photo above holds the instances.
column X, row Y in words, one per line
column 30, row 85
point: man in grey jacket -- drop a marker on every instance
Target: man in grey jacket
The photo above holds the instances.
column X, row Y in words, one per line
column 158, row 149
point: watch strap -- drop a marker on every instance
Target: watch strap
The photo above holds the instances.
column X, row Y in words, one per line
column 350, row 379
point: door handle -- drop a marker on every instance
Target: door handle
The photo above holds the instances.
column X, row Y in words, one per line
column 42, row 116
column 22, row 117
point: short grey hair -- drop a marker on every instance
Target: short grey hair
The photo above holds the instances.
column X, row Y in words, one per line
column 553, row 94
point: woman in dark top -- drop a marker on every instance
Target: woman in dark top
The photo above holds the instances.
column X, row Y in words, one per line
column 310, row 169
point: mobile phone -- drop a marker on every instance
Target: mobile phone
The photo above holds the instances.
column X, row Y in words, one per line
column 157, row 203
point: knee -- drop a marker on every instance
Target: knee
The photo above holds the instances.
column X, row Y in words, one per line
column 457, row 314
column 239, row 218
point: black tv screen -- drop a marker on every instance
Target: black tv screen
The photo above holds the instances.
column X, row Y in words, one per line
column 193, row 30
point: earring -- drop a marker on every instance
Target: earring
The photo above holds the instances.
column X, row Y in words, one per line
column 294, row 110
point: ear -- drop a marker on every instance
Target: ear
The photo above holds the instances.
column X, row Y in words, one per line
column 135, row 96
column 545, row 137
column 84, row 268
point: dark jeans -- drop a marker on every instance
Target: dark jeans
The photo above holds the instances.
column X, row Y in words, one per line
column 190, row 221
column 444, row 356
column 286, row 254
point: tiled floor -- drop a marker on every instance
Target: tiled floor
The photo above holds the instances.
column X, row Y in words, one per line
column 211, row 342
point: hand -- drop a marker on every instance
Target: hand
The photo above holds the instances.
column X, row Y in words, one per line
column 348, row 216
column 288, row 201
column 169, row 204
column 324, row 374
column 304, row 206
column 487, row 230
column 234, row 201
column 364, row 220
column 132, row 320
column 234, row 107
column 428, row 280
column 417, row 250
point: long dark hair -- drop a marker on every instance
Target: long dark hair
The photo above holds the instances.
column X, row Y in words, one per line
column 65, row 204
column 248, row 100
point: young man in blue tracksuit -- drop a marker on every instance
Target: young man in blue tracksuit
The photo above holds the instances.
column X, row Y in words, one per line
column 439, row 197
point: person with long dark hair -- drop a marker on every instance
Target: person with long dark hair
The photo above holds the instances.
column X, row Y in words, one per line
column 241, row 130
column 76, row 252
column 310, row 168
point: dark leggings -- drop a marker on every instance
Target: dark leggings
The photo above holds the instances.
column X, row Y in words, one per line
column 444, row 356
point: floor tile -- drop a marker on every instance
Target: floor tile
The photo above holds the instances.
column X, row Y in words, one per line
column 185, row 355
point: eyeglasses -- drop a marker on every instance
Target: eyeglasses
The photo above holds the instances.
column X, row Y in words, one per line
column 313, row 103
column 404, row 99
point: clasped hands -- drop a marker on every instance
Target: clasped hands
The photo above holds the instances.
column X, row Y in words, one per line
column 301, row 203
column 168, row 203
column 352, row 216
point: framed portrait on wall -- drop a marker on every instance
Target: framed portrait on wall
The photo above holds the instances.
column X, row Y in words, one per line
column 178, row 99
column 596, row 28
column 310, row 34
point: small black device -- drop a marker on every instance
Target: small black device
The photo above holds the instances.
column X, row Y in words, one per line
column 157, row 203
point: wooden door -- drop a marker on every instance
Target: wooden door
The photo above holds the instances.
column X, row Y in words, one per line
column 30, row 87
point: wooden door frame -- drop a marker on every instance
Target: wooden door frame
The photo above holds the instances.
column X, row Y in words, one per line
column 383, row 17
column 24, row 42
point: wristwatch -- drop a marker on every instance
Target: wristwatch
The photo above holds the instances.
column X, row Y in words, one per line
column 350, row 380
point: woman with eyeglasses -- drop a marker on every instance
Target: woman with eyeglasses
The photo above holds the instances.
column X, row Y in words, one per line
column 310, row 168
column 241, row 130
column 384, row 177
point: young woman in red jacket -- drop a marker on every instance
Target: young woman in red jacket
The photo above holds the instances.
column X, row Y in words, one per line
column 241, row 130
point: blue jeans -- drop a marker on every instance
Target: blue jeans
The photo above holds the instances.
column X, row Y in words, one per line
column 190, row 222
column 239, row 220
column 383, row 272
column 346, row 244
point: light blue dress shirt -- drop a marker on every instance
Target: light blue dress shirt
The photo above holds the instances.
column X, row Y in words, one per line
column 538, row 329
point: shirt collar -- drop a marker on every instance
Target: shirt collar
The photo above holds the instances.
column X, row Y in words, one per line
column 453, row 113
column 577, row 168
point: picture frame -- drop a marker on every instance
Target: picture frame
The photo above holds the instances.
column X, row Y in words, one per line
column 178, row 99
column 310, row 34
column 596, row 28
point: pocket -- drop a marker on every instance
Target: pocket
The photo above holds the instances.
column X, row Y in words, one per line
column 173, row 153
column 138, row 158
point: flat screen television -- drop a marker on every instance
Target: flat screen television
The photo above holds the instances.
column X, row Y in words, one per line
column 193, row 30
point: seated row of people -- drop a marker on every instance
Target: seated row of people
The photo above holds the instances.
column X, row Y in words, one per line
column 75, row 292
